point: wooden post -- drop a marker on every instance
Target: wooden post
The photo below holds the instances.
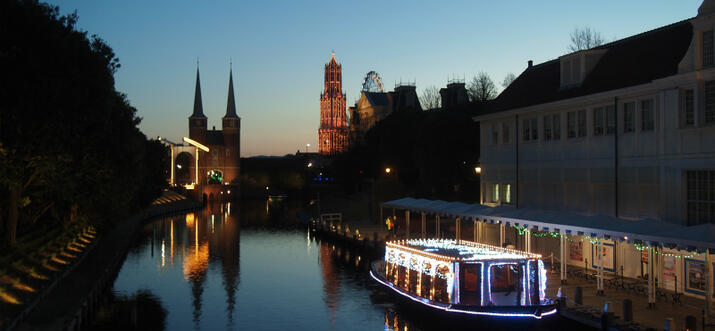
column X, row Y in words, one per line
column 562, row 257
column 527, row 240
column 458, row 232
column 501, row 235
column 475, row 227
column 407, row 222
column 424, row 225
column 436, row 224
column 650, row 276
column 708, row 285
column 600, row 267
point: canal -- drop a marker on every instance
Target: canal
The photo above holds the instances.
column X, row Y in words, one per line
column 254, row 267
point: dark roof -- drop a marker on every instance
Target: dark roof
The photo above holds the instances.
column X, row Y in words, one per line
column 377, row 99
column 214, row 137
column 198, row 105
column 627, row 62
column 231, row 103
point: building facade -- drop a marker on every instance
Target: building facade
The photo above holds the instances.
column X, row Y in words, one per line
column 373, row 107
column 333, row 132
column 626, row 129
column 219, row 168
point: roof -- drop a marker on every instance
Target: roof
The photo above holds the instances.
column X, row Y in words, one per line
column 627, row 62
column 449, row 249
column 656, row 232
column 231, row 103
column 377, row 99
column 198, row 105
column 214, row 137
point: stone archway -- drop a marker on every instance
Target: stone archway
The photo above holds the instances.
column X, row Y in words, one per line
column 182, row 168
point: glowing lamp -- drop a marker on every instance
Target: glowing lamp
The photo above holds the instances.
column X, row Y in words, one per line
column 478, row 170
column 387, row 170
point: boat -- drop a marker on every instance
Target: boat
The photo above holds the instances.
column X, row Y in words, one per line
column 466, row 278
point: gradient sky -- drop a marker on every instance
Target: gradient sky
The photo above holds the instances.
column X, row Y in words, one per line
column 278, row 49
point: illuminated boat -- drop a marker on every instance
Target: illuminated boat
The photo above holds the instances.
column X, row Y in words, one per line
column 466, row 278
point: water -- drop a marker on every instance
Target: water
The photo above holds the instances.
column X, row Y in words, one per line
column 251, row 267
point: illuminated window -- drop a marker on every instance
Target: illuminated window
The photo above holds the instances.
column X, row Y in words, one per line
column 507, row 193
column 495, row 193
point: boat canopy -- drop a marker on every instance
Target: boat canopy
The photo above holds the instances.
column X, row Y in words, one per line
column 463, row 251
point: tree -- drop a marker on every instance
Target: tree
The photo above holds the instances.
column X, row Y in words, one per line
column 430, row 98
column 585, row 38
column 508, row 79
column 481, row 88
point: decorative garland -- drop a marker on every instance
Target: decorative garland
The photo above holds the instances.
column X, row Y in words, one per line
column 521, row 230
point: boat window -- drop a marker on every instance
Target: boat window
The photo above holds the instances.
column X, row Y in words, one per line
column 503, row 284
column 470, row 284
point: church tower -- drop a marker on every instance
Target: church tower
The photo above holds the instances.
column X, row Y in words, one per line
column 231, row 136
column 197, row 127
column 333, row 132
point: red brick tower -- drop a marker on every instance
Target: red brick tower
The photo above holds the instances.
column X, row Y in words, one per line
column 333, row 132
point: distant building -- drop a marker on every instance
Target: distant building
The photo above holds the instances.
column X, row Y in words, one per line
column 333, row 132
column 625, row 129
column 219, row 169
column 454, row 95
column 373, row 107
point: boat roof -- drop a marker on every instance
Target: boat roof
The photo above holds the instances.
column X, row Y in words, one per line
column 451, row 251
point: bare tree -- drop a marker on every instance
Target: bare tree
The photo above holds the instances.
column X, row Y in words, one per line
column 508, row 79
column 481, row 88
column 585, row 38
column 430, row 98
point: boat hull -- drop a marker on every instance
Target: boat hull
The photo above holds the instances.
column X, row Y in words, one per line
column 467, row 311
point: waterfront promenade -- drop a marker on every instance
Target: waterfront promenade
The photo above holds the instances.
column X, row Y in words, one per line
column 592, row 306
column 74, row 300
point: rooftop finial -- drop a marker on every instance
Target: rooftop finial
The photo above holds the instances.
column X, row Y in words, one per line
column 230, row 63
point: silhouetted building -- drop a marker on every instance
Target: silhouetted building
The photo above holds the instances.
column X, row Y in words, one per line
column 333, row 132
column 455, row 94
column 373, row 107
column 219, row 170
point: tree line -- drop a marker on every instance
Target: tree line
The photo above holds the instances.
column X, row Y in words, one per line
column 70, row 148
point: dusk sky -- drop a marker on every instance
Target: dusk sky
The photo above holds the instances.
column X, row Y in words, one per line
column 278, row 49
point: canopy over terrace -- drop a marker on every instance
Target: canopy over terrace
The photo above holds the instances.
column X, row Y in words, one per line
column 648, row 231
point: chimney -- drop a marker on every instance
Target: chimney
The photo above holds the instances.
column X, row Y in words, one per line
column 531, row 63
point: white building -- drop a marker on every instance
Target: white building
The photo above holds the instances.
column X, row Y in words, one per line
column 626, row 129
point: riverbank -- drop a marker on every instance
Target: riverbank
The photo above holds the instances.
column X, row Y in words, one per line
column 75, row 298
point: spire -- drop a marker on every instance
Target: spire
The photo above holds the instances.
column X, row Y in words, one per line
column 231, row 103
column 198, row 105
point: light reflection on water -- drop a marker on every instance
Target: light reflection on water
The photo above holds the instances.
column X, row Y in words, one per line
column 250, row 267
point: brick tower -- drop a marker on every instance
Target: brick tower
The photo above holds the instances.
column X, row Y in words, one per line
column 333, row 132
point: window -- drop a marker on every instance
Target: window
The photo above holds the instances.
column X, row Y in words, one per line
column 495, row 134
column 710, row 102
column 700, row 200
column 547, row 127
column 552, row 127
column 687, row 116
column 507, row 193
column 582, row 123
column 557, row 126
column 610, row 119
column 530, row 130
column 505, row 133
column 598, row 122
column 647, row 122
column 629, row 116
column 708, row 48
column 495, row 193
column 228, row 152
column 571, row 124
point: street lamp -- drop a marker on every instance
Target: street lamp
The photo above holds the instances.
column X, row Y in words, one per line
column 387, row 170
column 307, row 146
column 478, row 170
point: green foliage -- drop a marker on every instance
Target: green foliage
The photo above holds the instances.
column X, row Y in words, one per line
column 69, row 141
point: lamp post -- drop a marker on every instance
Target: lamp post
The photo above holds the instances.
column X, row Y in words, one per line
column 307, row 147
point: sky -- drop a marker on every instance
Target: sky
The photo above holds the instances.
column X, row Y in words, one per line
column 278, row 50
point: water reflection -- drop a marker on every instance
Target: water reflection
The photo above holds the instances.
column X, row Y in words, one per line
column 290, row 279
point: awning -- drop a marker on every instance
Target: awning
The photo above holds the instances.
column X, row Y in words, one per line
column 646, row 231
